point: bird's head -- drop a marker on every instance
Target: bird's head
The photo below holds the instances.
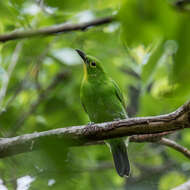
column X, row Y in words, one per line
column 92, row 66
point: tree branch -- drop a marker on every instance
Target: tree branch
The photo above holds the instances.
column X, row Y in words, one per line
column 158, row 138
column 174, row 145
column 54, row 29
column 82, row 135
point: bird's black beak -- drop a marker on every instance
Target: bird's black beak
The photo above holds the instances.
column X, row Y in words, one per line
column 82, row 55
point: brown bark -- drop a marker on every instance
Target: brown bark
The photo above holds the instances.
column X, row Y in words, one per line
column 149, row 129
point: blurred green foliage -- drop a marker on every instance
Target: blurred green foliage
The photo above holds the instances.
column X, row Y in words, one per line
column 168, row 181
column 145, row 51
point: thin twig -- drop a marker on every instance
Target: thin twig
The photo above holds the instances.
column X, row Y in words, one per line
column 42, row 96
column 149, row 137
column 11, row 67
column 54, row 29
column 139, row 138
column 39, row 61
column 131, row 72
column 158, row 138
column 174, row 145
column 17, row 91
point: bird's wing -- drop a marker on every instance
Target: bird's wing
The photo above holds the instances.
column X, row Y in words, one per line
column 84, row 107
column 118, row 93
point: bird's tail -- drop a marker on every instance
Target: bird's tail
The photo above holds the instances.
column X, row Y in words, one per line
column 120, row 157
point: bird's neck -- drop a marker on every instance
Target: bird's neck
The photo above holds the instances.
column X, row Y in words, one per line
column 96, row 78
column 85, row 72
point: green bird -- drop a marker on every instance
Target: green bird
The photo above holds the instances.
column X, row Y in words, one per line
column 103, row 101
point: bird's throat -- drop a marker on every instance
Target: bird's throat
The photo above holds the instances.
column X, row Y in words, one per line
column 85, row 71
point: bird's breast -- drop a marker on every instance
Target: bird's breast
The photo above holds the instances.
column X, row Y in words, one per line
column 102, row 104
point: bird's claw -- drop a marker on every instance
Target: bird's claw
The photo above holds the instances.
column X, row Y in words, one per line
column 90, row 123
column 117, row 119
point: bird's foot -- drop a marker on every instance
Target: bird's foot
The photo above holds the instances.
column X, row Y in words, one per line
column 90, row 123
column 117, row 119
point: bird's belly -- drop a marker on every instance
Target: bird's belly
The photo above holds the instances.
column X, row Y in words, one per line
column 101, row 109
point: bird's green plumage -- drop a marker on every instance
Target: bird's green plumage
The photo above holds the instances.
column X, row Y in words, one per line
column 103, row 101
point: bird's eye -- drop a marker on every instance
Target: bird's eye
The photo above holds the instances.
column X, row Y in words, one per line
column 93, row 64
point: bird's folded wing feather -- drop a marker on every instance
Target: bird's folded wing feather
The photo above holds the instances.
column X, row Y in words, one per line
column 118, row 93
